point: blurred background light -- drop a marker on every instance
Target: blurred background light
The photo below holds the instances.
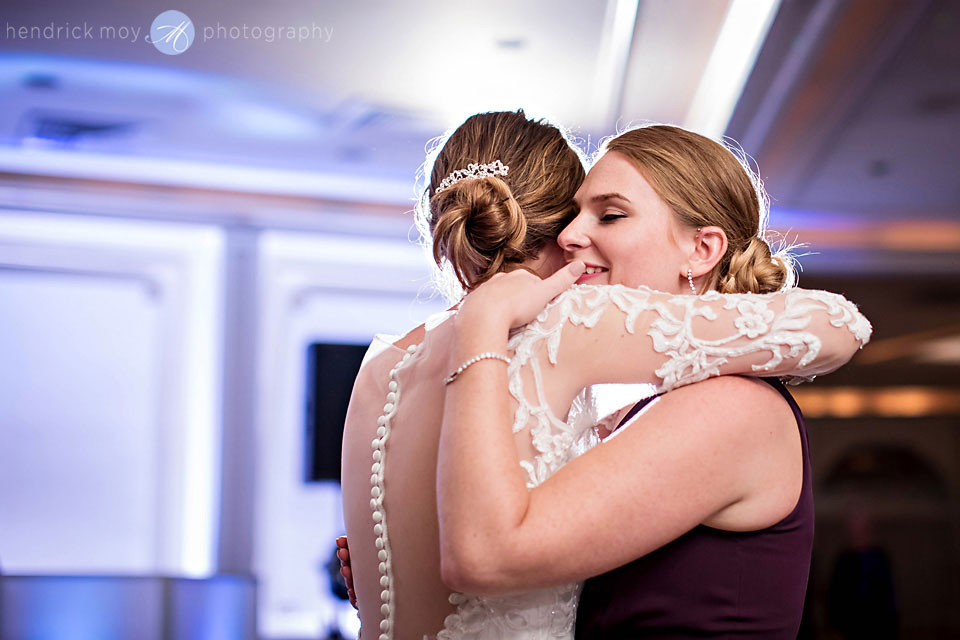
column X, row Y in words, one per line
column 743, row 32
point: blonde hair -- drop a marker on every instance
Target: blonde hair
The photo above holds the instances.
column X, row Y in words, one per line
column 480, row 227
column 709, row 184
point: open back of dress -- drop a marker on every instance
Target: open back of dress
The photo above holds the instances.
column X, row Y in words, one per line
column 390, row 453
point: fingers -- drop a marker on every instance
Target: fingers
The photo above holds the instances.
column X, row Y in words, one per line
column 348, row 579
column 343, row 551
column 563, row 278
column 343, row 554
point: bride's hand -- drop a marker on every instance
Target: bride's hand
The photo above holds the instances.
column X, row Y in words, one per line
column 513, row 299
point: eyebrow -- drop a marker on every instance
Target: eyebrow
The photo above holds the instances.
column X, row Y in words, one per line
column 604, row 197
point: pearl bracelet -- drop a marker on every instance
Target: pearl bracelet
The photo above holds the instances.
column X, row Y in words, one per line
column 486, row 355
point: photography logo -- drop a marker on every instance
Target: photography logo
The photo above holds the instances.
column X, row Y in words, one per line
column 172, row 32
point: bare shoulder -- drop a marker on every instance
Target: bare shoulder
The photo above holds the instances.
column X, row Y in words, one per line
column 728, row 419
column 737, row 401
column 739, row 385
column 751, row 421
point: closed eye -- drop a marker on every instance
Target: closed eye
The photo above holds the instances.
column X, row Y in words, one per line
column 610, row 217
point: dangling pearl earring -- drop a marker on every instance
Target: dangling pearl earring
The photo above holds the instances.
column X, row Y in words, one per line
column 690, row 272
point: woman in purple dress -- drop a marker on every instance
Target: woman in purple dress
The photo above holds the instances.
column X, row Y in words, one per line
column 699, row 512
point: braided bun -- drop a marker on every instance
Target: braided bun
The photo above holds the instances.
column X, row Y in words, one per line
column 754, row 269
column 479, row 229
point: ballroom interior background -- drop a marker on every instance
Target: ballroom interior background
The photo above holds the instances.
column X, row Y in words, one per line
column 177, row 231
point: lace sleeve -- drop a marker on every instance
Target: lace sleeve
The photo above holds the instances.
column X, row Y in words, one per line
column 794, row 334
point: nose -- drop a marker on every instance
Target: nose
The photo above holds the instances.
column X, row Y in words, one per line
column 574, row 236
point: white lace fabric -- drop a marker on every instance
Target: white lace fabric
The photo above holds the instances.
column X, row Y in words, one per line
column 696, row 337
column 668, row 341
column 543, row 614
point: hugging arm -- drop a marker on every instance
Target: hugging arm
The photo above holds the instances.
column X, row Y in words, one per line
column 646, row 486
column 619, row 334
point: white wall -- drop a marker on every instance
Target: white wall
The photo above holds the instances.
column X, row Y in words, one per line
column 116, row 403
column 314, row 288
column 109, row 380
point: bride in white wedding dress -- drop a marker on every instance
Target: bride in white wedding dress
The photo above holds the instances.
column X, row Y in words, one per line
column 500, row 192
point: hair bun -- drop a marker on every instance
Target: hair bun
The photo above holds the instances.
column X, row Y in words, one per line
column 479, row 227
column 755, row 269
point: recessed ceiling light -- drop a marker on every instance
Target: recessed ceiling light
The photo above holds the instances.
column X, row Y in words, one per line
column 878, row 168
column 512, row 43
column 39, row 80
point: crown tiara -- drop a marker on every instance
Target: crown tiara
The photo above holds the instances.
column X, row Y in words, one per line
column 473, row 170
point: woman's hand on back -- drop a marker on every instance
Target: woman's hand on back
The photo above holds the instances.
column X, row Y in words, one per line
column 343, row 554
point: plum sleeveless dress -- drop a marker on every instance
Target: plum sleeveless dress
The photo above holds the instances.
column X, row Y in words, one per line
column 711, row 583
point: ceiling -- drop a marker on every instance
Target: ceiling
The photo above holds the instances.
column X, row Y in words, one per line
column 851, row 110
column 852, row 113
column 371, row 83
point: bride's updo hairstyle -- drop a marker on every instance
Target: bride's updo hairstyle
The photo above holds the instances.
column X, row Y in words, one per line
column 482, row 226
column 709, row 184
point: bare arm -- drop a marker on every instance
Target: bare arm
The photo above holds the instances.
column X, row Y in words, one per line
column 660, row 477
column 496, row 535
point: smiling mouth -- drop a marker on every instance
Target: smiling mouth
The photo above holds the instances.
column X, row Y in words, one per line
column 590, row 273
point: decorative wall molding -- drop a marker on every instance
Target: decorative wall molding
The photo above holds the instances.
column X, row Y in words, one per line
column 179, row 268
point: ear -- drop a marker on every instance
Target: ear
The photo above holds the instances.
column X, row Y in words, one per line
column 709, row 246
